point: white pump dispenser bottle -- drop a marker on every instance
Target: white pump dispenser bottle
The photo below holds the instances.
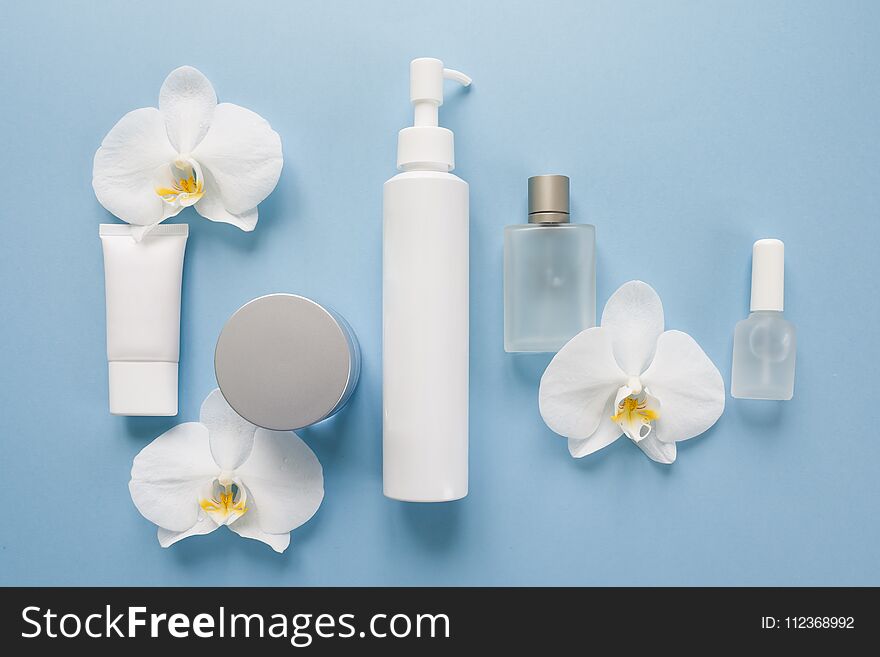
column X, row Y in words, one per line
column 425, row 305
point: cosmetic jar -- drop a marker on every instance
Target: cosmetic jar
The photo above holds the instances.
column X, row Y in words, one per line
column 285, row 362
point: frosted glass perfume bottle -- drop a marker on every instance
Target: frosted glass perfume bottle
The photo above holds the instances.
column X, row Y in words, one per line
column 549, row 272
column 764, row 344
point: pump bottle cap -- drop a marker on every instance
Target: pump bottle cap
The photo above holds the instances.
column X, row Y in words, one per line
column 426, row 145
column 768, row 275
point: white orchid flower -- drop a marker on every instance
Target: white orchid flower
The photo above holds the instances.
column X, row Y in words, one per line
column 629, row 376
column 223, row 470
column 223, row 159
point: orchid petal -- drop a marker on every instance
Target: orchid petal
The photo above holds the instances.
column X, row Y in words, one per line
column 285, row 480
column 688, row 384
column 231, row 436
column 138, row 233
column 577, row 383
column 187, row 101
column 248, row 526
column 606, row 434
column 634, row 319
column 168, row 475
column 204, row 525
column 132, row 156
column 211, row 207
column 657, row 450
column 243, row 154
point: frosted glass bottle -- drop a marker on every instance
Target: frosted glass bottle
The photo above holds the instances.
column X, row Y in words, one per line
column 765, row 344
column 549, row 272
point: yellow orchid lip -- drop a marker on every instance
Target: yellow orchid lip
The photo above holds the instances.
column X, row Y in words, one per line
column 636, row 413
column 630, row 406
column 188, row 185
column 224, row 509
column 185, row 191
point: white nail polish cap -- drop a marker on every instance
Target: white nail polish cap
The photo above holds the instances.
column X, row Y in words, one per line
column 768, row 275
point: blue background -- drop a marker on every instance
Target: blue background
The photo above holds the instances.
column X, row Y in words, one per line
column 688, row 130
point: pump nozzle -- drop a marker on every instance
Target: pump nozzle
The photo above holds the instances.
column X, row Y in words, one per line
column 458, row 76
column 426, row 144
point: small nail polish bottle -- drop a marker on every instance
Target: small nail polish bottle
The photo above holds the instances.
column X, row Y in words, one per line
column 764, row 344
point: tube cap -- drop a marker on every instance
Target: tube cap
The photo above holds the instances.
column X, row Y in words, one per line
column 768, row 275
column 549, row 199
column 143, row 388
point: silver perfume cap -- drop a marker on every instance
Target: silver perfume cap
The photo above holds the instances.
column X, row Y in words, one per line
column 285, row 362
column 549, row 199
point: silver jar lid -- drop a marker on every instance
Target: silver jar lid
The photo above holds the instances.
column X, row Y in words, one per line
column 285, row 362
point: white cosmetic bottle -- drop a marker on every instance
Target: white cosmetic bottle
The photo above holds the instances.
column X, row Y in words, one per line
column 425, row 305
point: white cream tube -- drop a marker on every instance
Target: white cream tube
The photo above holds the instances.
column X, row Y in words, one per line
column 143, row 281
